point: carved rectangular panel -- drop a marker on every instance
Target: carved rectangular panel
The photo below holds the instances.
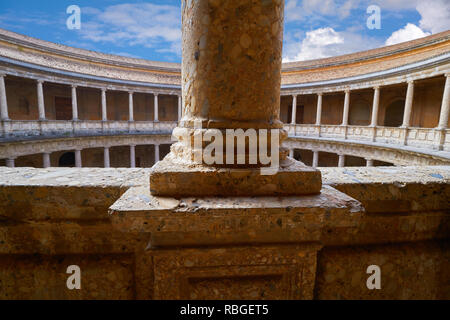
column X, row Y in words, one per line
column 284, row 272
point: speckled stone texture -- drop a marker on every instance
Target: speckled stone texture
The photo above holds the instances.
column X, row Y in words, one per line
column 231, row 248
column 231, row 77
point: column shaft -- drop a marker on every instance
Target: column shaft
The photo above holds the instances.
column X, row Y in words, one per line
column 10, row 163
column 78, row 162
column 315, row 159
column 130, row 107
column 346, row 108
column 294, row 110
column 74, row 104
column 319, row 109
column 341, row 163
column 40, row 96
column 156, row 153
column 369, row 162
column 3, row 101
column 104, row 109
column 375, row 107
column 132, row 156
column 156, row 108
column 180, row 108
column 106, row 160
column 445, row 107
column 408, row 105
column 46, row 160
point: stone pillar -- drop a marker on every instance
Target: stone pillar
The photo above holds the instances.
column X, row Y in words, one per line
column 408, row 105
column 291, row 153
column 132, row 156
column 294, row 110
column 315, row 159
column 369, row 163
column 180, row 108
column 156, row 108
column 130, row 106
column 341, row 162
column 46, row 160
column 74, row 103
column 319, row 109
column 106, row 160
column 3, row 101
column 104, row 110
column 78, row 162
column 40, row 97
column 231, row 77
column 10, row 163
column 445, row 107
column 156, row 153
column 346, row 108
column 375, row 107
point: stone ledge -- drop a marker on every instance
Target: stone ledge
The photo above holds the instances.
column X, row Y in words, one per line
column 171, row 179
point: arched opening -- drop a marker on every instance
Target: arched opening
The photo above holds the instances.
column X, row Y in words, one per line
column 360, row 113
column 67, row 160
column 394, row 114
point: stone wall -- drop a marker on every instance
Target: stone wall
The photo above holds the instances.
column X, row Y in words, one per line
column 53, row 218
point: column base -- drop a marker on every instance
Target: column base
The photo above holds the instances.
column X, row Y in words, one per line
column 236, row 247
column 170, row 178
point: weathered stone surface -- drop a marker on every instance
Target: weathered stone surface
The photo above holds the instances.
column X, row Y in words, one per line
column 255, row 247
column 168, row 178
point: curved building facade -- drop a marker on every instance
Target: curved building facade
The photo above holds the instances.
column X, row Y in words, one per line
column 62, row 106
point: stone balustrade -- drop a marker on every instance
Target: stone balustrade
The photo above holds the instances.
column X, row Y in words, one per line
column 423, row 138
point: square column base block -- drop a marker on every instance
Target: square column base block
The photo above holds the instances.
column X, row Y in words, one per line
column 168, row 178
column 234, row 247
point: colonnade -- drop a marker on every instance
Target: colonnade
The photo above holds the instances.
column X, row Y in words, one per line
column 4, row 113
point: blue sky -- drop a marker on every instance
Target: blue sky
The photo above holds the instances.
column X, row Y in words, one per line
column 151, row 29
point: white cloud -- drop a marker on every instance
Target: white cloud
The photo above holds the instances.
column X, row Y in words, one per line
column 144, row 24
column 409, row 32
column 326, row 42
column 435, row 15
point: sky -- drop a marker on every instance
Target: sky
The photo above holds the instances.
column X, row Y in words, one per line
column 152, row 29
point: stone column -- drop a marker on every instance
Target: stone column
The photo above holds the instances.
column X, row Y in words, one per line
column 375, row 107
column 156, row 153
column 319, row 109
column 445, row 107
column 408, row 105
column 106, row 160
column 341, row 162
column 231, row 77
column 180, row 108
column 132, row 156
column 3, row 101
column 156, row 108
column 294, row 110
column 104, row 110
column 369, row 162
column 10, row 163
column 46, row 160
column 291, row 153
column 346, row 108
column 78, row 162
column 40, row 97
column 315, row 159
column 130, row 106
column 74, row 103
